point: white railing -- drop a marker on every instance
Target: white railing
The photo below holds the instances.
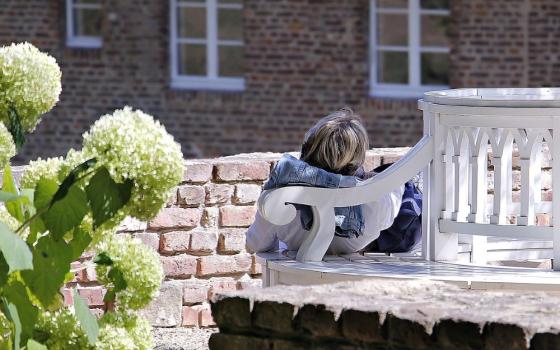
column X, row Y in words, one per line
column 461, row 127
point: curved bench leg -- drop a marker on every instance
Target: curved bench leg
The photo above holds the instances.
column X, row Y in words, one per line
column 319, row 237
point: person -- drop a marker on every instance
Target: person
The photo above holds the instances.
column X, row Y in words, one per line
column 332, row 156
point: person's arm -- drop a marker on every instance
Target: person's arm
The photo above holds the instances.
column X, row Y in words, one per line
column 261, row 236
column 389, row 206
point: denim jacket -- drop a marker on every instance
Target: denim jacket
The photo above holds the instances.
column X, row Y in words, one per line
column 291, row 171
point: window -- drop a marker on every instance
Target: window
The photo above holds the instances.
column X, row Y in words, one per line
column 83, row 23
column 409, row 47
column 207, row 44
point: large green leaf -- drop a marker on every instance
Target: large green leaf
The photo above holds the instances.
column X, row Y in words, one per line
column 66, row 213
column 51, row 263
column 88, row 322
column 15, row 250
column 44, row 192
column 16, row 294
column 15, row 128
column 105, row 196
column 9, row 186
column 79, row 243
column 33, row 345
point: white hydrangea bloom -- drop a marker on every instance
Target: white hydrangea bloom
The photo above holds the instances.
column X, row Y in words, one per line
column 61, row 330
column 134, row 146
column 7, row 146
column 40, row 169
column 140, row 267
column 136, row 331
column 30, row 82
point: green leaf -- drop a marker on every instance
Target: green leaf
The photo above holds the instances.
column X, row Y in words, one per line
column 44, row 192
column 116, row 276
column 79, row 243
column 15, row 250
column 88, row 322
column 4, row 269
column 110, row 296
column 15, row 128
column 67, row 213
column 33, row 345
column 105, row 196
column 16, row 294
column 103, row 259
column 9, row 186
column 72, row 178
column 12, row 314
column 51, row 263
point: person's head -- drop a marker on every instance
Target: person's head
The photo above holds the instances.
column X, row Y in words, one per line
column 337, row 143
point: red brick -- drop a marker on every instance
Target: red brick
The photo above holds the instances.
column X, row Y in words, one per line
column 210, row 217
column 218, row 193
column 175, row 242
column 173, row 218
column 543, row 219
column 92, row 295
column 246, row 193
column 222, row 285
column 256, row 268
column 205, row 316
column 224, row 264
column 151, row 239
column 197, row 171
column 190, row 316
column 232, row 240
column 189, row 195
column 242, row 170
column 195, row 293
column 249, row 283
column 68, row 296
column 234, row 216
column 203, row 242
column 179, row 266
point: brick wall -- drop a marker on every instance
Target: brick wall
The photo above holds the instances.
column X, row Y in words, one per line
column 303, row 59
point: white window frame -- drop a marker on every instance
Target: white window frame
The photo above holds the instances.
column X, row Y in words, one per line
column 212, row 81
column 414, row 88
column 80, row 41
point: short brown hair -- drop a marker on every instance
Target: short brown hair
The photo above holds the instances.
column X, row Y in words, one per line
column 337, row 143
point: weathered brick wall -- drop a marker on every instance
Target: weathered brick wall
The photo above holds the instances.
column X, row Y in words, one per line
column 383, row 314
column 200, row 237
column 303, row 59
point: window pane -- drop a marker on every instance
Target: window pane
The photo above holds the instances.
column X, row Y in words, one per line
column 392, row 29
column 239, row 2
column 230, row 24
column 434, row 4
column 392, row 3
column 231, row 61
column 192, row 22
column 87, row 1
column 434, row 31
column 192, row 59
column 87, row 22
column 392, row 67
column 435, row 69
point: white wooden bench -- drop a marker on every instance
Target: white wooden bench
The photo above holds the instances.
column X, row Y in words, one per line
column 459, row 128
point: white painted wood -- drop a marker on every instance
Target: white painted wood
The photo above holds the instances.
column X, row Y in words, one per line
column 73, row 39
column 539, row 233
column 502, row 143
column 555, row 152
column 460, row 163
column 529, row 144
column 430, row 122
column 448, row 176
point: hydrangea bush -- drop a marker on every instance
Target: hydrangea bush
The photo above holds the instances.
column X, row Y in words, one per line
column 127, row 166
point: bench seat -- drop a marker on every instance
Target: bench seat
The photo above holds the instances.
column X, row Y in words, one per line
column 281, row 270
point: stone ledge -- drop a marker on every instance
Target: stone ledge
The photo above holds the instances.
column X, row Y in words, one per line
column 386, row 314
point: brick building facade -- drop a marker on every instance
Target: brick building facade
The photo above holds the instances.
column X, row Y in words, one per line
column 301, row 60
